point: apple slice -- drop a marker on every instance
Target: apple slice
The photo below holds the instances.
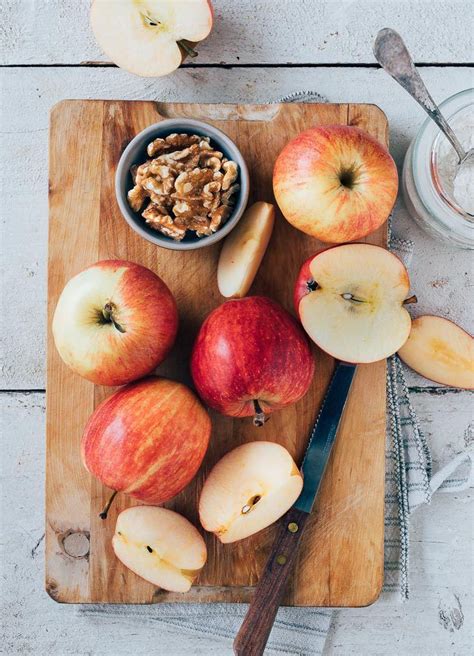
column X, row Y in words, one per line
column 350, row 301
column 159, row 545
column 244, row 249
column 249, row 489
column 148, row 37
column 440, row 350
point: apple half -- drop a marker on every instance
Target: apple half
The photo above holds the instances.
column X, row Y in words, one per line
column 249, row 489
column 149, row 37
column 440, row 350
column 350, row 300
column 159, row 545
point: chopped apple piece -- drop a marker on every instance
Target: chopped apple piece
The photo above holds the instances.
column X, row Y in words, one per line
column 249, row 489
column 350, row 301
column 148, row 37
column 244, row 249
column 440, row 350
column 159, row 545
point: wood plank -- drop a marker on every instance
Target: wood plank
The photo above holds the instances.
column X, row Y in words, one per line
column 440, row 538
column 348, row 532
column 440, row 280
column 313, row 31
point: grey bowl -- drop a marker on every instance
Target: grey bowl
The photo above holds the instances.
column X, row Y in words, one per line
column 135, row 153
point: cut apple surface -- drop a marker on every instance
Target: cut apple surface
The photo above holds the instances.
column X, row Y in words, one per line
column 350, row 301
column 159, row 545
column 244, row 249
column 249, row 489
column 144, row 36
column 440, row 350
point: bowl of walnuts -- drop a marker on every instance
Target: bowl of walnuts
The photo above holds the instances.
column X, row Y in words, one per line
column 182, row 184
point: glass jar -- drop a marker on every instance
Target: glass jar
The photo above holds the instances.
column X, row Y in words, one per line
column 428, row 171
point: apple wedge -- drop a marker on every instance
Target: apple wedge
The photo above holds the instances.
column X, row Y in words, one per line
column 244, row 249
column 159, row 545
column 148, row 37
column 350, row 301
column 249, row 489
column 440, row 350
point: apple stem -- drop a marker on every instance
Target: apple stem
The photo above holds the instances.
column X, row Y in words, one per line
column 259, row 418
column 188, row 49
column 108, row 314
column 312, row 285
column 103, row 514
column 412, row 299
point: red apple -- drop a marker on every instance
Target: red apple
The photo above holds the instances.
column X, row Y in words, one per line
column 151, row 37
column 251, row 358
column 350, row 300
column 115, row 322
column 147, row 440
column 335, row 183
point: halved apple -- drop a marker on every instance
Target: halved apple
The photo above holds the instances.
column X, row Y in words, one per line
column 159, row 545
column 249, row 489
column 148, row 37
column 350, row 301
column 440, row 350
column 244, row 249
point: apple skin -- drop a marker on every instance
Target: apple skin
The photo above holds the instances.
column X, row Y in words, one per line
column 248, row 350
column 308, row 188
column 143, row 307
column 147, row 440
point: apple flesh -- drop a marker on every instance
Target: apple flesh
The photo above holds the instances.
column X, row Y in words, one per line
column 147, row 440
column 149, row 37
column 335, row 183
column 440, row 350
column 251, row 358
column 244, row 249
column 114, row 322
column 249, row 489
column 350, row 300
column 159, row 545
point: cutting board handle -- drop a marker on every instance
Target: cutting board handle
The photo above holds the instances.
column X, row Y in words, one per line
column 221, row 112
column 257, row 625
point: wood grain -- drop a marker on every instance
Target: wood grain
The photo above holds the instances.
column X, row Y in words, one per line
column 341, row 558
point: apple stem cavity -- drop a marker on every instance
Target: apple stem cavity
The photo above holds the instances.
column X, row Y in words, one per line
column 411, row 299
column 259, row 418
column 311, row 285
column 108, row 314
column 188, row 49
column 104, row 513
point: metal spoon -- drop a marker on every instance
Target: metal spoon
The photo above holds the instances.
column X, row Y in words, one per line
column 392, row 54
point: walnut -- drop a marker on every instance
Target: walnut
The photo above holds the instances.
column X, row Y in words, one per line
column 136, row 197
column 190, row 184
column 230, row 175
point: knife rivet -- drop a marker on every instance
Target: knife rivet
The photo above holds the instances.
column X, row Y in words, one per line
column 293, row 527
column 281, row 559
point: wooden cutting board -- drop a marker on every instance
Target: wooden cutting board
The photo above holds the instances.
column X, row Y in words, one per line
column 341, row 559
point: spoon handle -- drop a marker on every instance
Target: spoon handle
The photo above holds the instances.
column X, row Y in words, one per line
column 392, row 54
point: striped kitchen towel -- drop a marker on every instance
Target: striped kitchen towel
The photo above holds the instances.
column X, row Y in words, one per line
column 409, row 484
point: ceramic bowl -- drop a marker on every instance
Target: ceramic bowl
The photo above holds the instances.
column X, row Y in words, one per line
column 135, row 153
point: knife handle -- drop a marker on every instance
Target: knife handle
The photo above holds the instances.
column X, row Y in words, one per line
column 253, row 634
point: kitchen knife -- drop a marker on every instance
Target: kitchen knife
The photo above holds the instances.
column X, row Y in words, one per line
column 253, row 634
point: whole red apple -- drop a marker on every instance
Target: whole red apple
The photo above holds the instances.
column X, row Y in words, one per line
column 115, row 322
column 251, row 358
column 335, row 183
column 147, row 440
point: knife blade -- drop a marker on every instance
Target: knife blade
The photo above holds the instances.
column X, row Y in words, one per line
column 253, row 634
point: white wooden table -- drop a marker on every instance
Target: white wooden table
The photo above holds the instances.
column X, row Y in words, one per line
column 258, row 52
